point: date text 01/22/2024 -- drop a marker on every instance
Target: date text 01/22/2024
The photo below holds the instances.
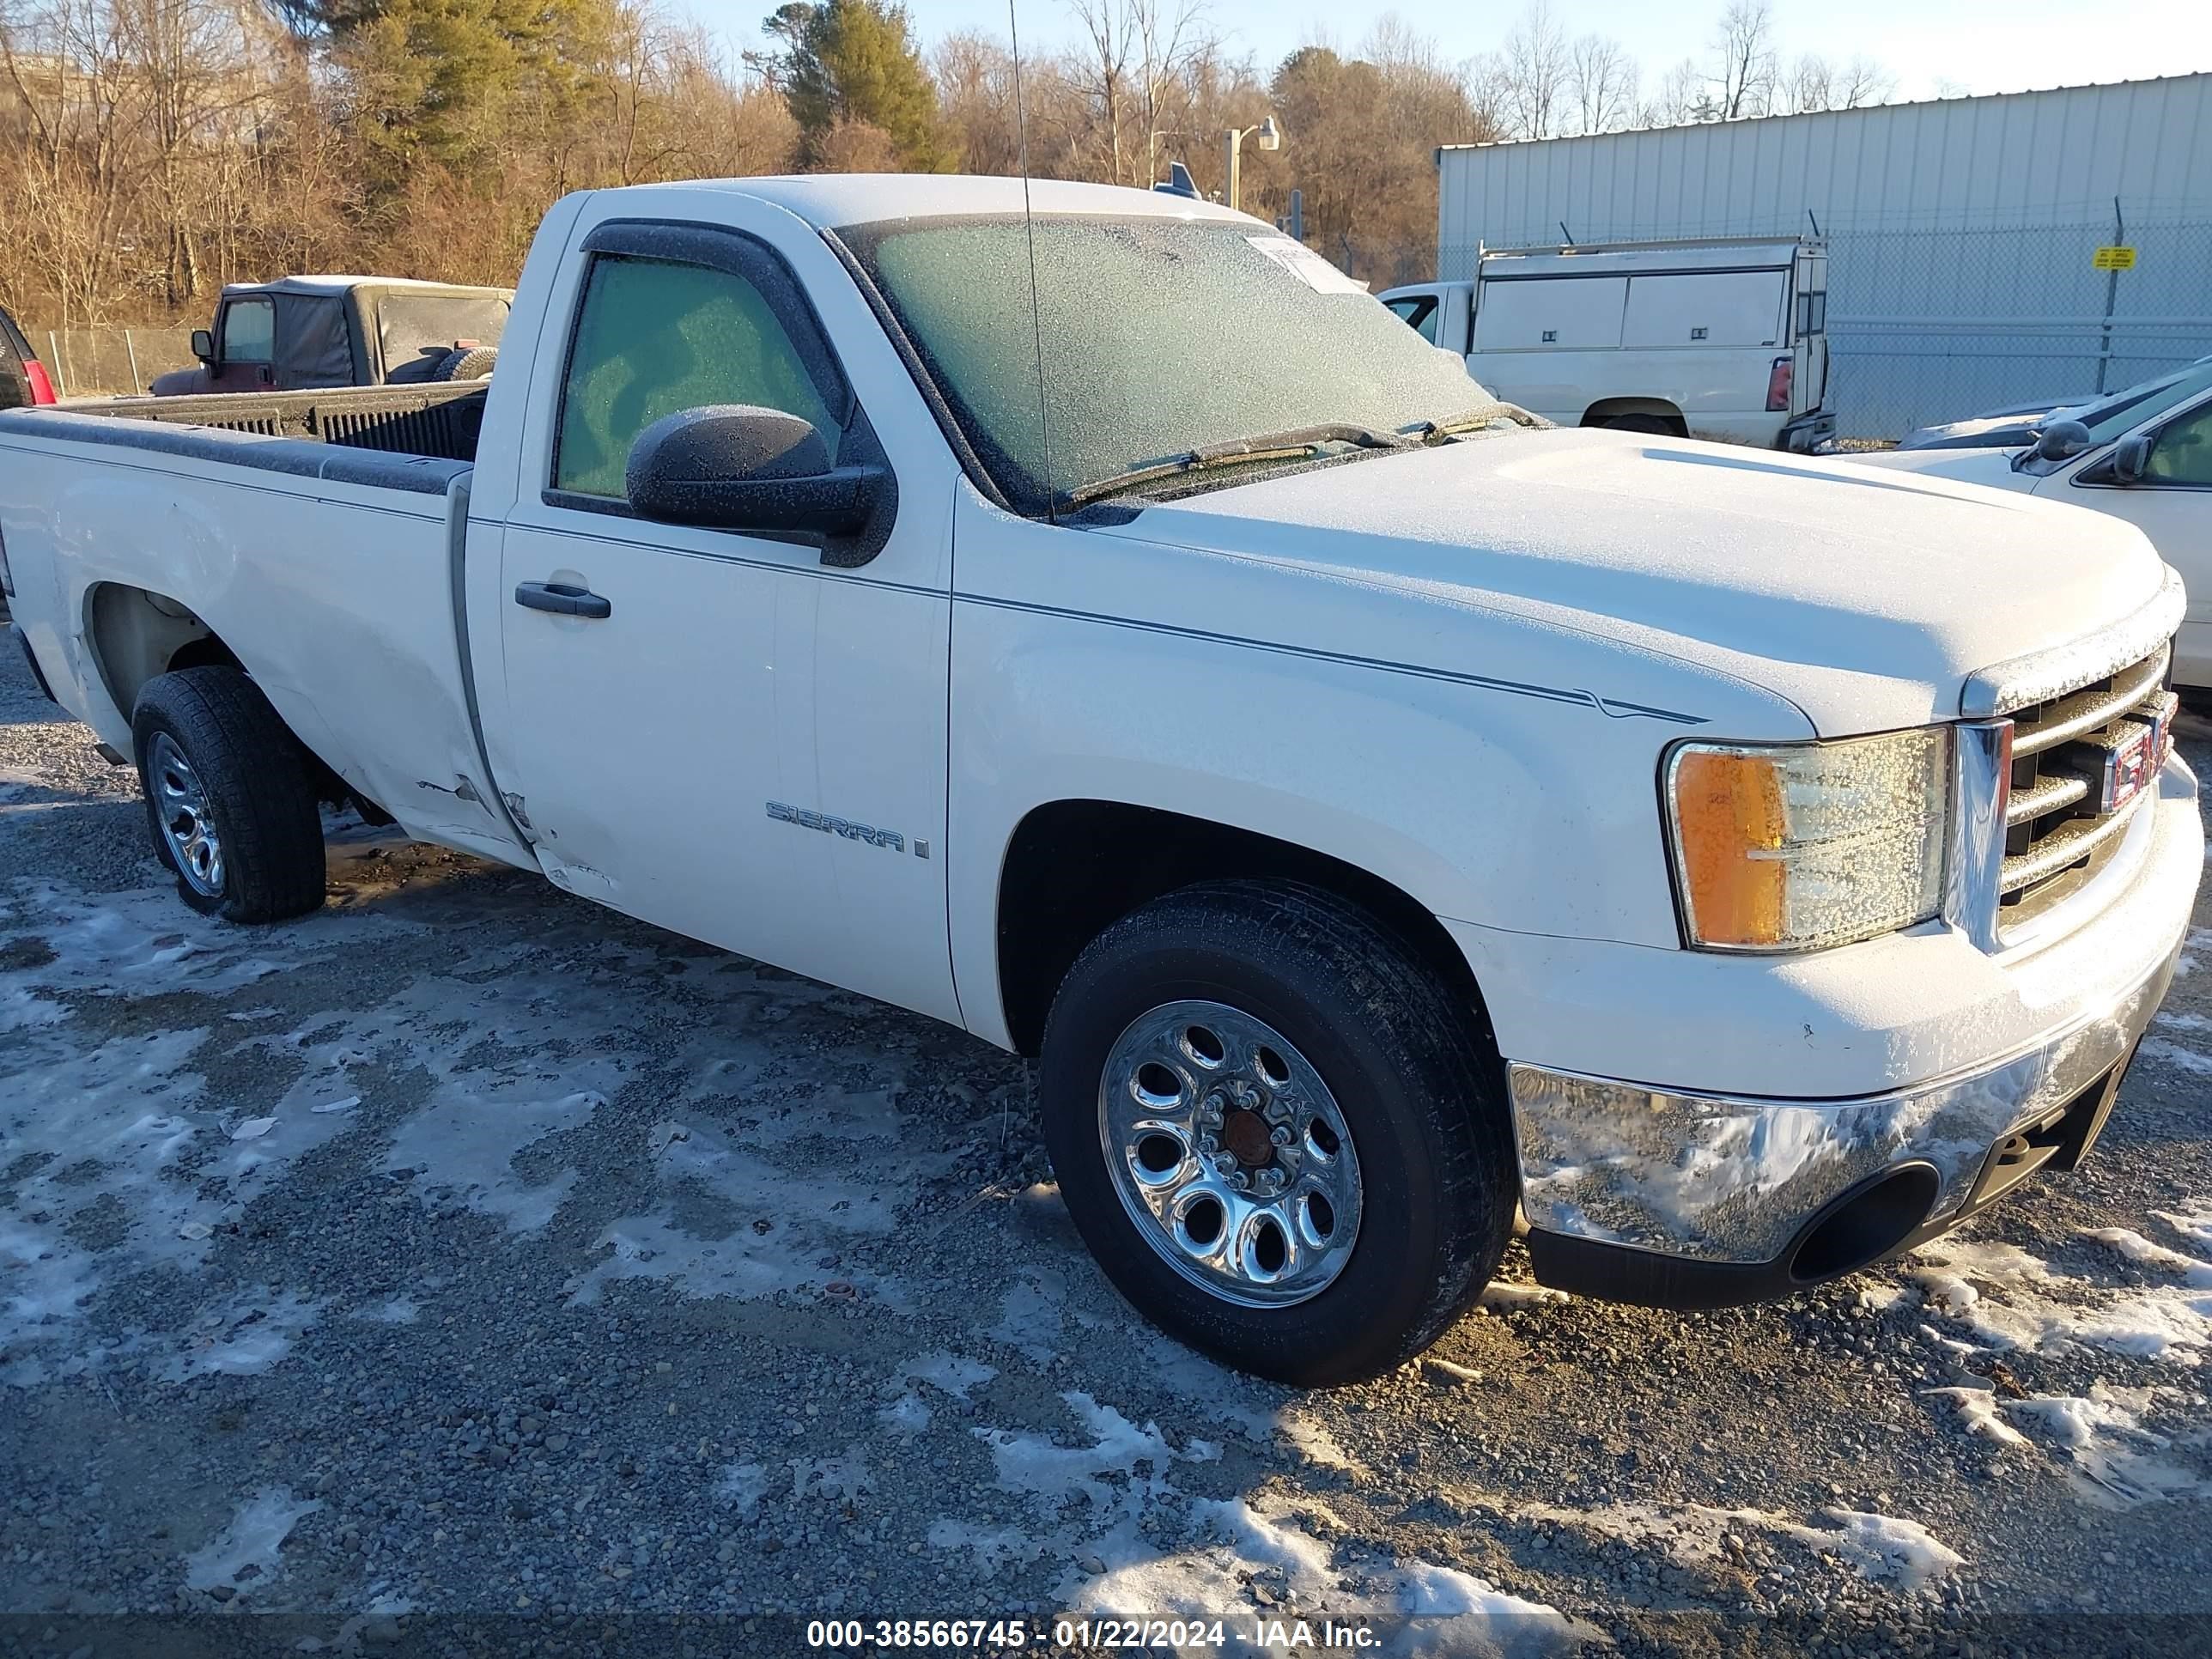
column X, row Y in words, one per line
column 1012, row 1635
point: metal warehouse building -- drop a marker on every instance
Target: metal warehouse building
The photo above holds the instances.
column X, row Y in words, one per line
column 1964, row 233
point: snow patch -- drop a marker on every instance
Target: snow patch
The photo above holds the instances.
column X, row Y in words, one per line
column 1047, row 1471
column 1979, row 1415
column 951, row 1372
column 461, row 1148
column 243, row 1556
column 743, row 1485
column 2188, row 1060
column 2110, row 1458
column 243, row 1335
column 1417, row 1607
column 785, row 1222
column 121, row 1135
column 1317, row 1445
column 1878, row 1547
column 2196, row 1227
column 1030, row 1319
column 906, row 1416
column 2134, row 1246
column 2007, row 1298
column 1882, row 1547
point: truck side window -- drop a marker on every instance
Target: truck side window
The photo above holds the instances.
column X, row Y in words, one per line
column 653, row 338
column 1421, row 315
column 249, row 331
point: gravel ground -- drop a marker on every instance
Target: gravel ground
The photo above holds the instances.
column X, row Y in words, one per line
column 466, row 1252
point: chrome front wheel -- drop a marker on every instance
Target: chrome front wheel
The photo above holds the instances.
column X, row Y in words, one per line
column 1230, row 1154
column 180, row 808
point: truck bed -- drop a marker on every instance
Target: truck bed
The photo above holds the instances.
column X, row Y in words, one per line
column 295, row 432
column 318, row 536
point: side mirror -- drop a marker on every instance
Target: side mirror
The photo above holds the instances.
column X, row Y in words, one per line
column 2132, row 458
column 202, row 345
column 2062, row 441
column 736, row 466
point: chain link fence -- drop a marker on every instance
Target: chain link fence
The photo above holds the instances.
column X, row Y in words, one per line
column 109, row 363
column 1938, row 325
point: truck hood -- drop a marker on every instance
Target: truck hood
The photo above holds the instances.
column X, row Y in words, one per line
column 1865, row 596
column 1992, row 467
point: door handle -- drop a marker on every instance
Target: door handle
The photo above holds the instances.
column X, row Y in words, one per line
column 563, row 600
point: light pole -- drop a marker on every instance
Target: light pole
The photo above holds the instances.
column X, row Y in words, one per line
column 1271, row 137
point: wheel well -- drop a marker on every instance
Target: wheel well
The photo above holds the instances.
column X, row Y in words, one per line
column 137, row 634
column 1608, row 408
column 1073, row 867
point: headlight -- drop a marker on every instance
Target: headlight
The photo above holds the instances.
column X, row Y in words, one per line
column 1793, row 847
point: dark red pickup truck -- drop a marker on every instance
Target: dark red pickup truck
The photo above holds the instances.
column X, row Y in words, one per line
column 300, row 333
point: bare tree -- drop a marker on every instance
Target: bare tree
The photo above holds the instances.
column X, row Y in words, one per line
column 1535, row 67
column 67, row 188
column 1102, row 68
column 1172, row 37
column 1743, row 78
column 1601, row 84
column 1813, row 83
column 1862, row 81
column 1486, row 81
column 1683, row 96
column 1809, row 85
column 974, row 78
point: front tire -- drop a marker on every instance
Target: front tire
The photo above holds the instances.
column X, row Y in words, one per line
column 1280, row 1134
column 229, row 797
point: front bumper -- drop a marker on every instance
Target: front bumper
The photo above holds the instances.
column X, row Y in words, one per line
column 1699, row 1197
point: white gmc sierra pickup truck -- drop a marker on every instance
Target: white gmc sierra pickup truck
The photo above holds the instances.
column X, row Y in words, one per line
column 1084, row 617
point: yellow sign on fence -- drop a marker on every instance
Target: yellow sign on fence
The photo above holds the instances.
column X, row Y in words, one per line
column 2114, row 258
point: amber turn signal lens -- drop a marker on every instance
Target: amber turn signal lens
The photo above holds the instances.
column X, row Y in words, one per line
column 1728, row 811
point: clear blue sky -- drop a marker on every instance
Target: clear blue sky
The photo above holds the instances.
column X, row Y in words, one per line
column 1983, row 46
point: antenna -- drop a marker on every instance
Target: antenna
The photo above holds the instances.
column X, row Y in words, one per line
column 1567, row 233
column 1028, row 228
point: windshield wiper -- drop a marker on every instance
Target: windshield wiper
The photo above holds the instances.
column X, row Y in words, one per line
column 1436, row 432
column 1268, row 446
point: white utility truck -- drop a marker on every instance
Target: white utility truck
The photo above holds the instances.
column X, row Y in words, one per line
column 1381, row 816
column 1723, row 339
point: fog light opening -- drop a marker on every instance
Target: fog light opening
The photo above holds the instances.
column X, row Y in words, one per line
column 1865, row 1226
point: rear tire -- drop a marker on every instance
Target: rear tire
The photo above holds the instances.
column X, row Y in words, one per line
column 229, row 798
column 1373, row 1041
column 1654, row 423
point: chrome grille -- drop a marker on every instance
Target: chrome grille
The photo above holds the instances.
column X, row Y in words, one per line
column 2056, row 835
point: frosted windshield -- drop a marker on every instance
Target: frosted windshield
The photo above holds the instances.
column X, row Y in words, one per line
column 1158, row 337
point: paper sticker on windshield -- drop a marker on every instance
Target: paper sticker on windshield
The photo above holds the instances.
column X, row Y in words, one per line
column 1308, row 267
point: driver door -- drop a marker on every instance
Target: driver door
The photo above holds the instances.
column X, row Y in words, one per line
column 2171, row 502
column 693, row 723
